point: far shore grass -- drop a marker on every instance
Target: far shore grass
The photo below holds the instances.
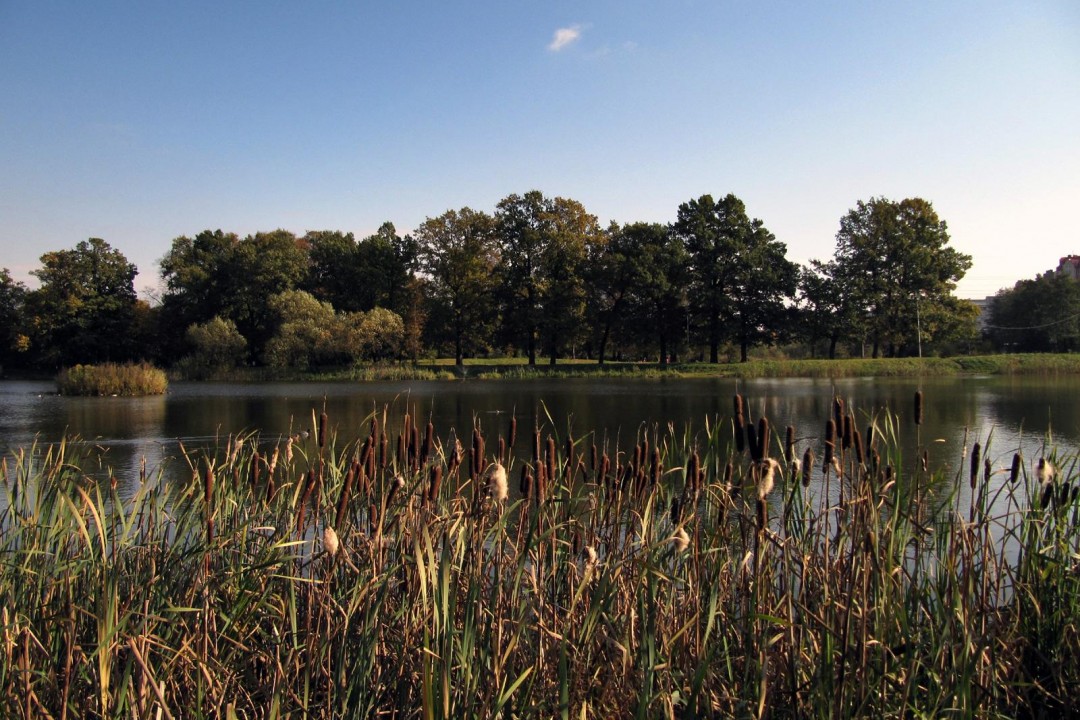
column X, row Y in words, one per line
column 518, row 369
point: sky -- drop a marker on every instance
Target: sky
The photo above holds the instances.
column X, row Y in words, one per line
column 139, row 122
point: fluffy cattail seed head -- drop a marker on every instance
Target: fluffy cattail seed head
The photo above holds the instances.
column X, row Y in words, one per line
column 497, row 484
column 766, row 478
column 681, row 539
column 330, row 541
column 1045, row 471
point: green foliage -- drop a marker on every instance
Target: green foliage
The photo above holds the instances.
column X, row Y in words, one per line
column 1040, row 315
column 109, row 379
column 84, row 309
column 891, row 269
column 216, row 346
column 13, row 341
column 459, row 254
column 740, row 278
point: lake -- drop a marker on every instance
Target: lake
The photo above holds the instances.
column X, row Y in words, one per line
column 125, row 433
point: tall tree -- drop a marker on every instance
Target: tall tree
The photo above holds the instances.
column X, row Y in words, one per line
column 84, row 309
column 741, row 280
column 655, row 274
column 573, row 235
column 13, row 343
column 334, row 269
column 459, row 254
column 197, row 286
column 520, row 225
column 387, row 263
column 895, row 261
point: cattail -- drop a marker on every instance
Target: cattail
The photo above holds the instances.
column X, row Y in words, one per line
column 925, row 460
column 569, row 457
column 511, row 436
column 838, row 411
column 740, row 432
column 807, row 466
column 288, row 450
column 656, row 467
column 551, row 459
column 830, row 442
column 676, row 511
column 752, row 442
column 693, row 470
column 400, row 455
column 1064, row 497
column 988, row 470
column 681, row 539
column 789, row 444
column 384, row 452
column 763, row 438
column 1047, row 494
column 857, row 442
column 208, row 478
column 435, row 482
column 273, row 462
column 502, row 449
column 976, row 457
column 796, row 468
column 429, row 440
column 322, row 430
column 395, row 487
column 525, row 485
column 918, row 407
column 871, row 436
column 762, row 514
column 836, row 466
column 497, row 482
column 255, row 460
column 766, row 478
column 729, row 471
column 593, row 457
column 1045, row 471
column 738, row 408
column 330, row 541
column 541, row 482
column 346, row 490
column 845, row 428
column 1014, row 472
column 536, row 446
column 589, row 554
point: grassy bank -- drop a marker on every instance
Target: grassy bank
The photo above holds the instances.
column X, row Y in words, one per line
column 517, row 369
column 392, row 573
column 112, row 379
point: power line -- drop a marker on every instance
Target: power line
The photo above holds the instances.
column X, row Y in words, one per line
column 1034, row 327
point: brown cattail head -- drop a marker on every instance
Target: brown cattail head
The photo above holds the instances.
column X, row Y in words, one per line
column 856, row 438
column 429, row 440
column 729, row 471
column 988, row 470
column 740, row 431
column 1014, row 472
column 846, row 434
column 435, row 482
column 656, row 468
column 1047, row 494
column 830, row 442
column 918, row 407
column 525, row 484
column 763, row 438
column 536, row 447
column 789, row 444
column 551, row 460
column 322, row 430
column 838, row 411
column 256, row 468
column 752, row 442
column 976, row 452
column 693, row 471
column 738, row 408
column 511, row 435
column 807, row 466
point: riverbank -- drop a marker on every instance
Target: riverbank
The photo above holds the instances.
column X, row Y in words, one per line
column 516, row 368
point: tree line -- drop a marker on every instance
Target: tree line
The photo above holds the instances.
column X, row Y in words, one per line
column 537, row 277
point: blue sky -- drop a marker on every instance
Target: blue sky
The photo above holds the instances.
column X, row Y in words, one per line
column 142, row 121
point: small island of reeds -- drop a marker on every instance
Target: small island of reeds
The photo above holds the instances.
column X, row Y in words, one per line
column 109, row 379
column 738, row 569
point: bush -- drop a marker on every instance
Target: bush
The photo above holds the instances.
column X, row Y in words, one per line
column 112, row 379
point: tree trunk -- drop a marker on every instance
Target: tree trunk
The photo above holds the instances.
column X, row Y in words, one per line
column 714, row 337
column 744, row 347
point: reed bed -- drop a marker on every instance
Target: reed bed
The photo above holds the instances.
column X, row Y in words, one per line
column 128, row 379
column 389, row 572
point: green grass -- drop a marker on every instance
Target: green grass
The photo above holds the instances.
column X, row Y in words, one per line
column 649, row 582
column 112, row 379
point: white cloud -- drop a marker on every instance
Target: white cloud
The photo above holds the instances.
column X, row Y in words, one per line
column 563, row 37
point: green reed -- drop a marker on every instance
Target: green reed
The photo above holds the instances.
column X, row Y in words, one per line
column 333, row 576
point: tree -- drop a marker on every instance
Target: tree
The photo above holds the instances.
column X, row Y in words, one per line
column 572, row 237
column 307, row 332
column 13, row 342
column 654, row 268
column 458, row 252
column 742, row 283
column 334, row 269
column 195, row 273
column 519, row 221
column 84, row 309
column 894, row 261
column 1037, row 315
